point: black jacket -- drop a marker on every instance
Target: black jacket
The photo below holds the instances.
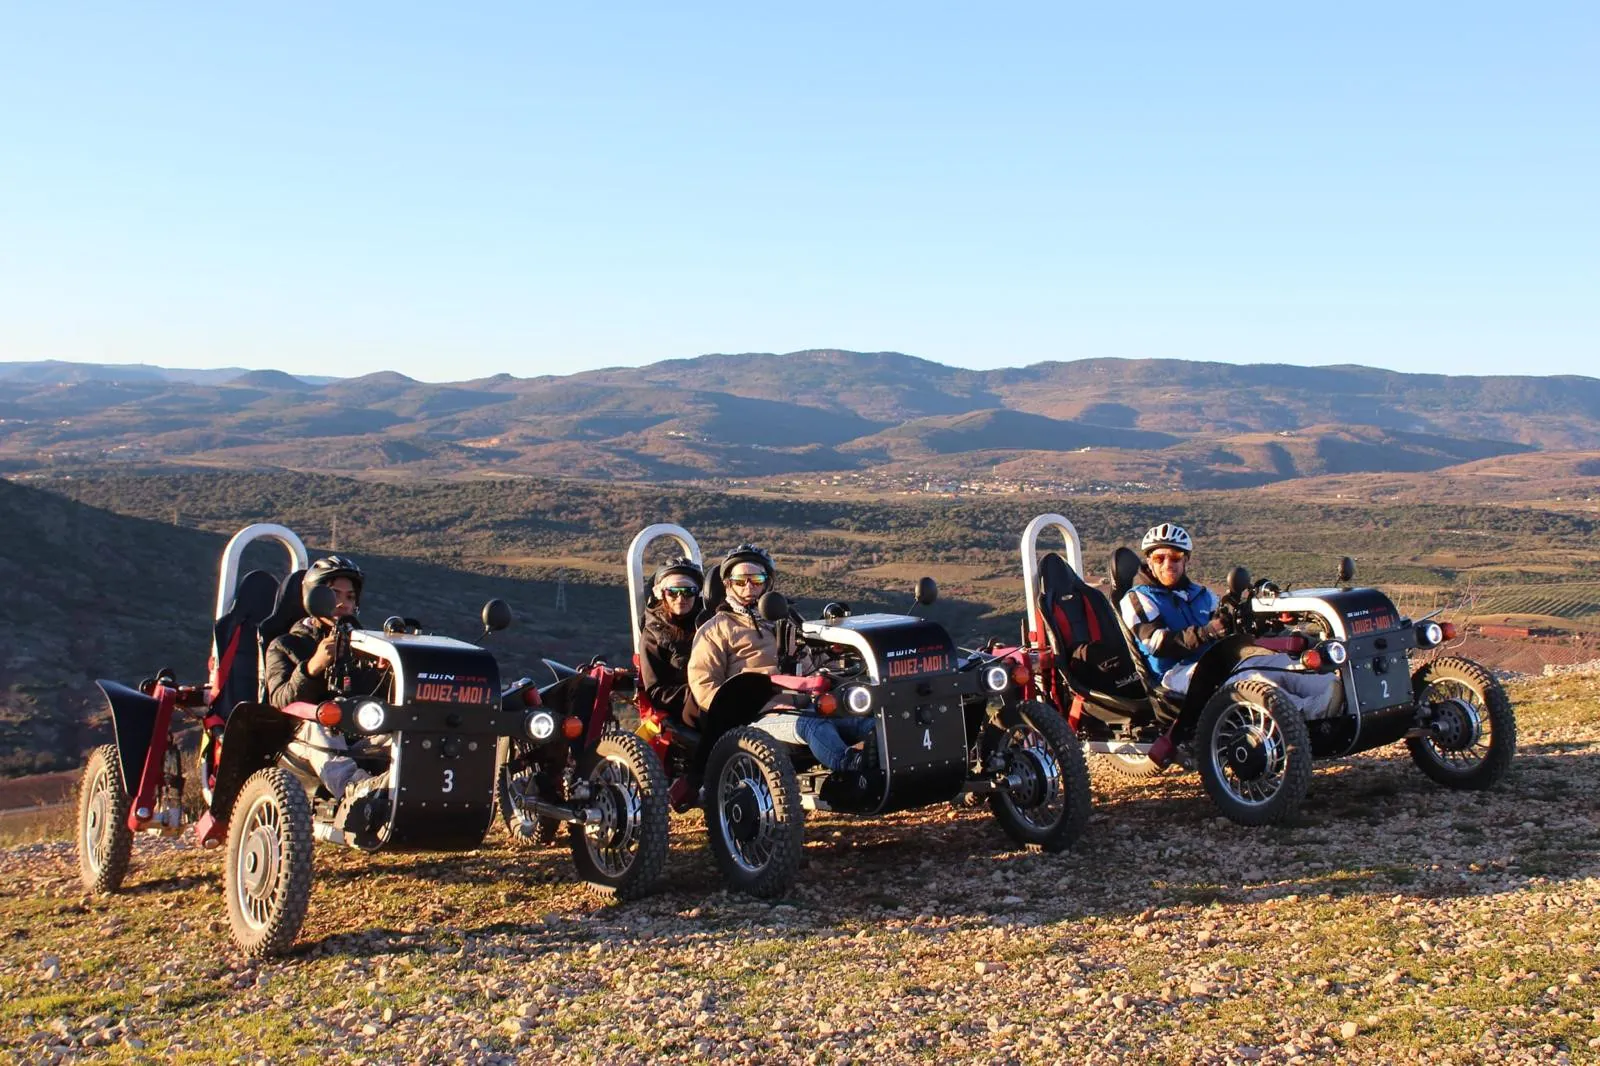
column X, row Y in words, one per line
column 665, row 664
column 287, row 680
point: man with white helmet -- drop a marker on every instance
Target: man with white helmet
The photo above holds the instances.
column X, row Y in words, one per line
column 1175, row 620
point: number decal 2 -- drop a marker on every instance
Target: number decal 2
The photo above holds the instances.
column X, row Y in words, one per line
column 1385, row 683
column 449, row 781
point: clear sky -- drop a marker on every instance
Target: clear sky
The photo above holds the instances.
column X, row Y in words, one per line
column 457, row 190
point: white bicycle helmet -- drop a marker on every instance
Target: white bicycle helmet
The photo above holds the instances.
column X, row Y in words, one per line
column 1166, row 535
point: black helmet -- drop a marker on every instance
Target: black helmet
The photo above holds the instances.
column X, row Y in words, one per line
column 681, row 565
column 328, row 569
column 747, row 553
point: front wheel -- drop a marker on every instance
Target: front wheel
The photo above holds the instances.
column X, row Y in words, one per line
column 267, row 869
column 1254, row 753
column 622, row 854
column 105, row 843
column 1472, row 730
column 1045, row 801
column 753, row 814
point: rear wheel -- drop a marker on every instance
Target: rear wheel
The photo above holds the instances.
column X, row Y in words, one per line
column 1046, row 801
column 1254, row 753
column 753, row 814
column 621, row 855
column 267, row 869
column 105, row 843
column 1472, row 728
column 1132, row 767
column 515, row 784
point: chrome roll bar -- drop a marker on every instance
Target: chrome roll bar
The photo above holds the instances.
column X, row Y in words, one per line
column 228, row 578
column 1030, row 558
column 638, row 589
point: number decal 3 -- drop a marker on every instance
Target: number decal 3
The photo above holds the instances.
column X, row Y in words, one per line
column 449, row 781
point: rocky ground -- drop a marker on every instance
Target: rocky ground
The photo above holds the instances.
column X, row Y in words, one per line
column 1396, row 922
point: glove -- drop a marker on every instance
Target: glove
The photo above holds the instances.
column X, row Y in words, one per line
column 1221, row 625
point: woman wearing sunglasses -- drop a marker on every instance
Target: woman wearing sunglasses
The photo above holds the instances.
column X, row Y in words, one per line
column 667, row 633
column 737, row 639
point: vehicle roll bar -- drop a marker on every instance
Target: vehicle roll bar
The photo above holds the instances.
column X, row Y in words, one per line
column 1030, row 558
column 228, row 578
column 638, row 589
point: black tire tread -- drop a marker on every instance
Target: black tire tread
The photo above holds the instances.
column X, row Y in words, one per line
column 778, row 875
column 548, row 829
column 641, row 877
column 114, row 865
column 1059, row 737
column 1141, row 769
column 1502, row 724
column 1296, row 737
column 295, row 891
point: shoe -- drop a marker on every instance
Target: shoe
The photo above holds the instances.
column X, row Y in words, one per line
column 855, row 760
column 683, row 794
column 364, row 811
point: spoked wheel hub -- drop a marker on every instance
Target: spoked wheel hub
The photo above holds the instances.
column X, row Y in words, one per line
column 1456, row 723
column 614, row 840
column 95, row 822
column 747, row 812
column 743, row 814
column 1247, row 756
column 1031, row 777
column 1250, row 752
column 260, row 859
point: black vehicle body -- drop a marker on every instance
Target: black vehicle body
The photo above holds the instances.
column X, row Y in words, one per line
column 946, row 728
column 434, row 725
column 1251, row 744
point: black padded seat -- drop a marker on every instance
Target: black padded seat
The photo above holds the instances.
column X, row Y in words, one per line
column 1084, row 633
column 714, row 595
column 286, row 610
column 235, row 662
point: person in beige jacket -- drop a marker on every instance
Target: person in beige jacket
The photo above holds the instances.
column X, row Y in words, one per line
column 736, row 640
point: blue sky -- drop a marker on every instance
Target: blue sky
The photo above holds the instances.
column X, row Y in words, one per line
column 545, row 188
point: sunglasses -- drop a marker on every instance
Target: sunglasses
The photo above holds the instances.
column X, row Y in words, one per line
column 681, row 591
column 749, row 579
column 1167, row 558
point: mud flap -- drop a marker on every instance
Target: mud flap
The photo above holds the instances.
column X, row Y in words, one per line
column 133, row 723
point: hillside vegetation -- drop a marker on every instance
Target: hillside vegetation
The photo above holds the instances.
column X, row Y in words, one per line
column 103, row 584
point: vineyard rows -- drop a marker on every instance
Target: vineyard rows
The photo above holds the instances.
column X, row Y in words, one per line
column 1574, row 602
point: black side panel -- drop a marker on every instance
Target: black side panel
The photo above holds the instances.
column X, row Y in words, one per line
column 133, row 721
column 923, row 734
column 445, row 798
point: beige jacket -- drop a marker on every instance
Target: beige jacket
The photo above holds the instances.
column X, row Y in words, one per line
column 729, row 643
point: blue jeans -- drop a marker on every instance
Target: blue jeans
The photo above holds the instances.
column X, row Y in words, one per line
column 830, row 738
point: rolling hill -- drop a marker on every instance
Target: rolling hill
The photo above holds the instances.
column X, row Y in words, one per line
column 1159, row 422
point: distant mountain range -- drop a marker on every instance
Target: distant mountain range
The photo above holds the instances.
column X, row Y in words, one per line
column 878, row 415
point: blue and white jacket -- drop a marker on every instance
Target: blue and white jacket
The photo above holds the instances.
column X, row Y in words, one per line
column 1170, row 624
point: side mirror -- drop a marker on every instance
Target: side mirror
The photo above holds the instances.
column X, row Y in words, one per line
column 1347, row 570
column 321, row 602
column 835, row 611
column 496, row 616
column 773, row 607
column 1238, row 581
column 927, row 591
column 394, row 625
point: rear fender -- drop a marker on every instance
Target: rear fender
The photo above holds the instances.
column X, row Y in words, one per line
column 255, row 735
column 1210, row 674
column 133, row 722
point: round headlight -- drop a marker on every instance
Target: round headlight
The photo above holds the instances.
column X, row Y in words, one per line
column 1335, row 652
column 541, row 725
column 1432, row 633
column 369, row 716
column 996, row 678
column 858, row 699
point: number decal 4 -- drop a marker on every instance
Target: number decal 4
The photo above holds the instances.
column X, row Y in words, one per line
column 927, row 739
column 449, row 781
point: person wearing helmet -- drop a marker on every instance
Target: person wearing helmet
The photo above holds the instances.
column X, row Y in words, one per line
column 1175, row 620
column 736, row 639
column 298, row 667
column 666, row 634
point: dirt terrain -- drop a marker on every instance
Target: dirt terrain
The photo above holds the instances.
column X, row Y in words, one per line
column 1396, row 922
